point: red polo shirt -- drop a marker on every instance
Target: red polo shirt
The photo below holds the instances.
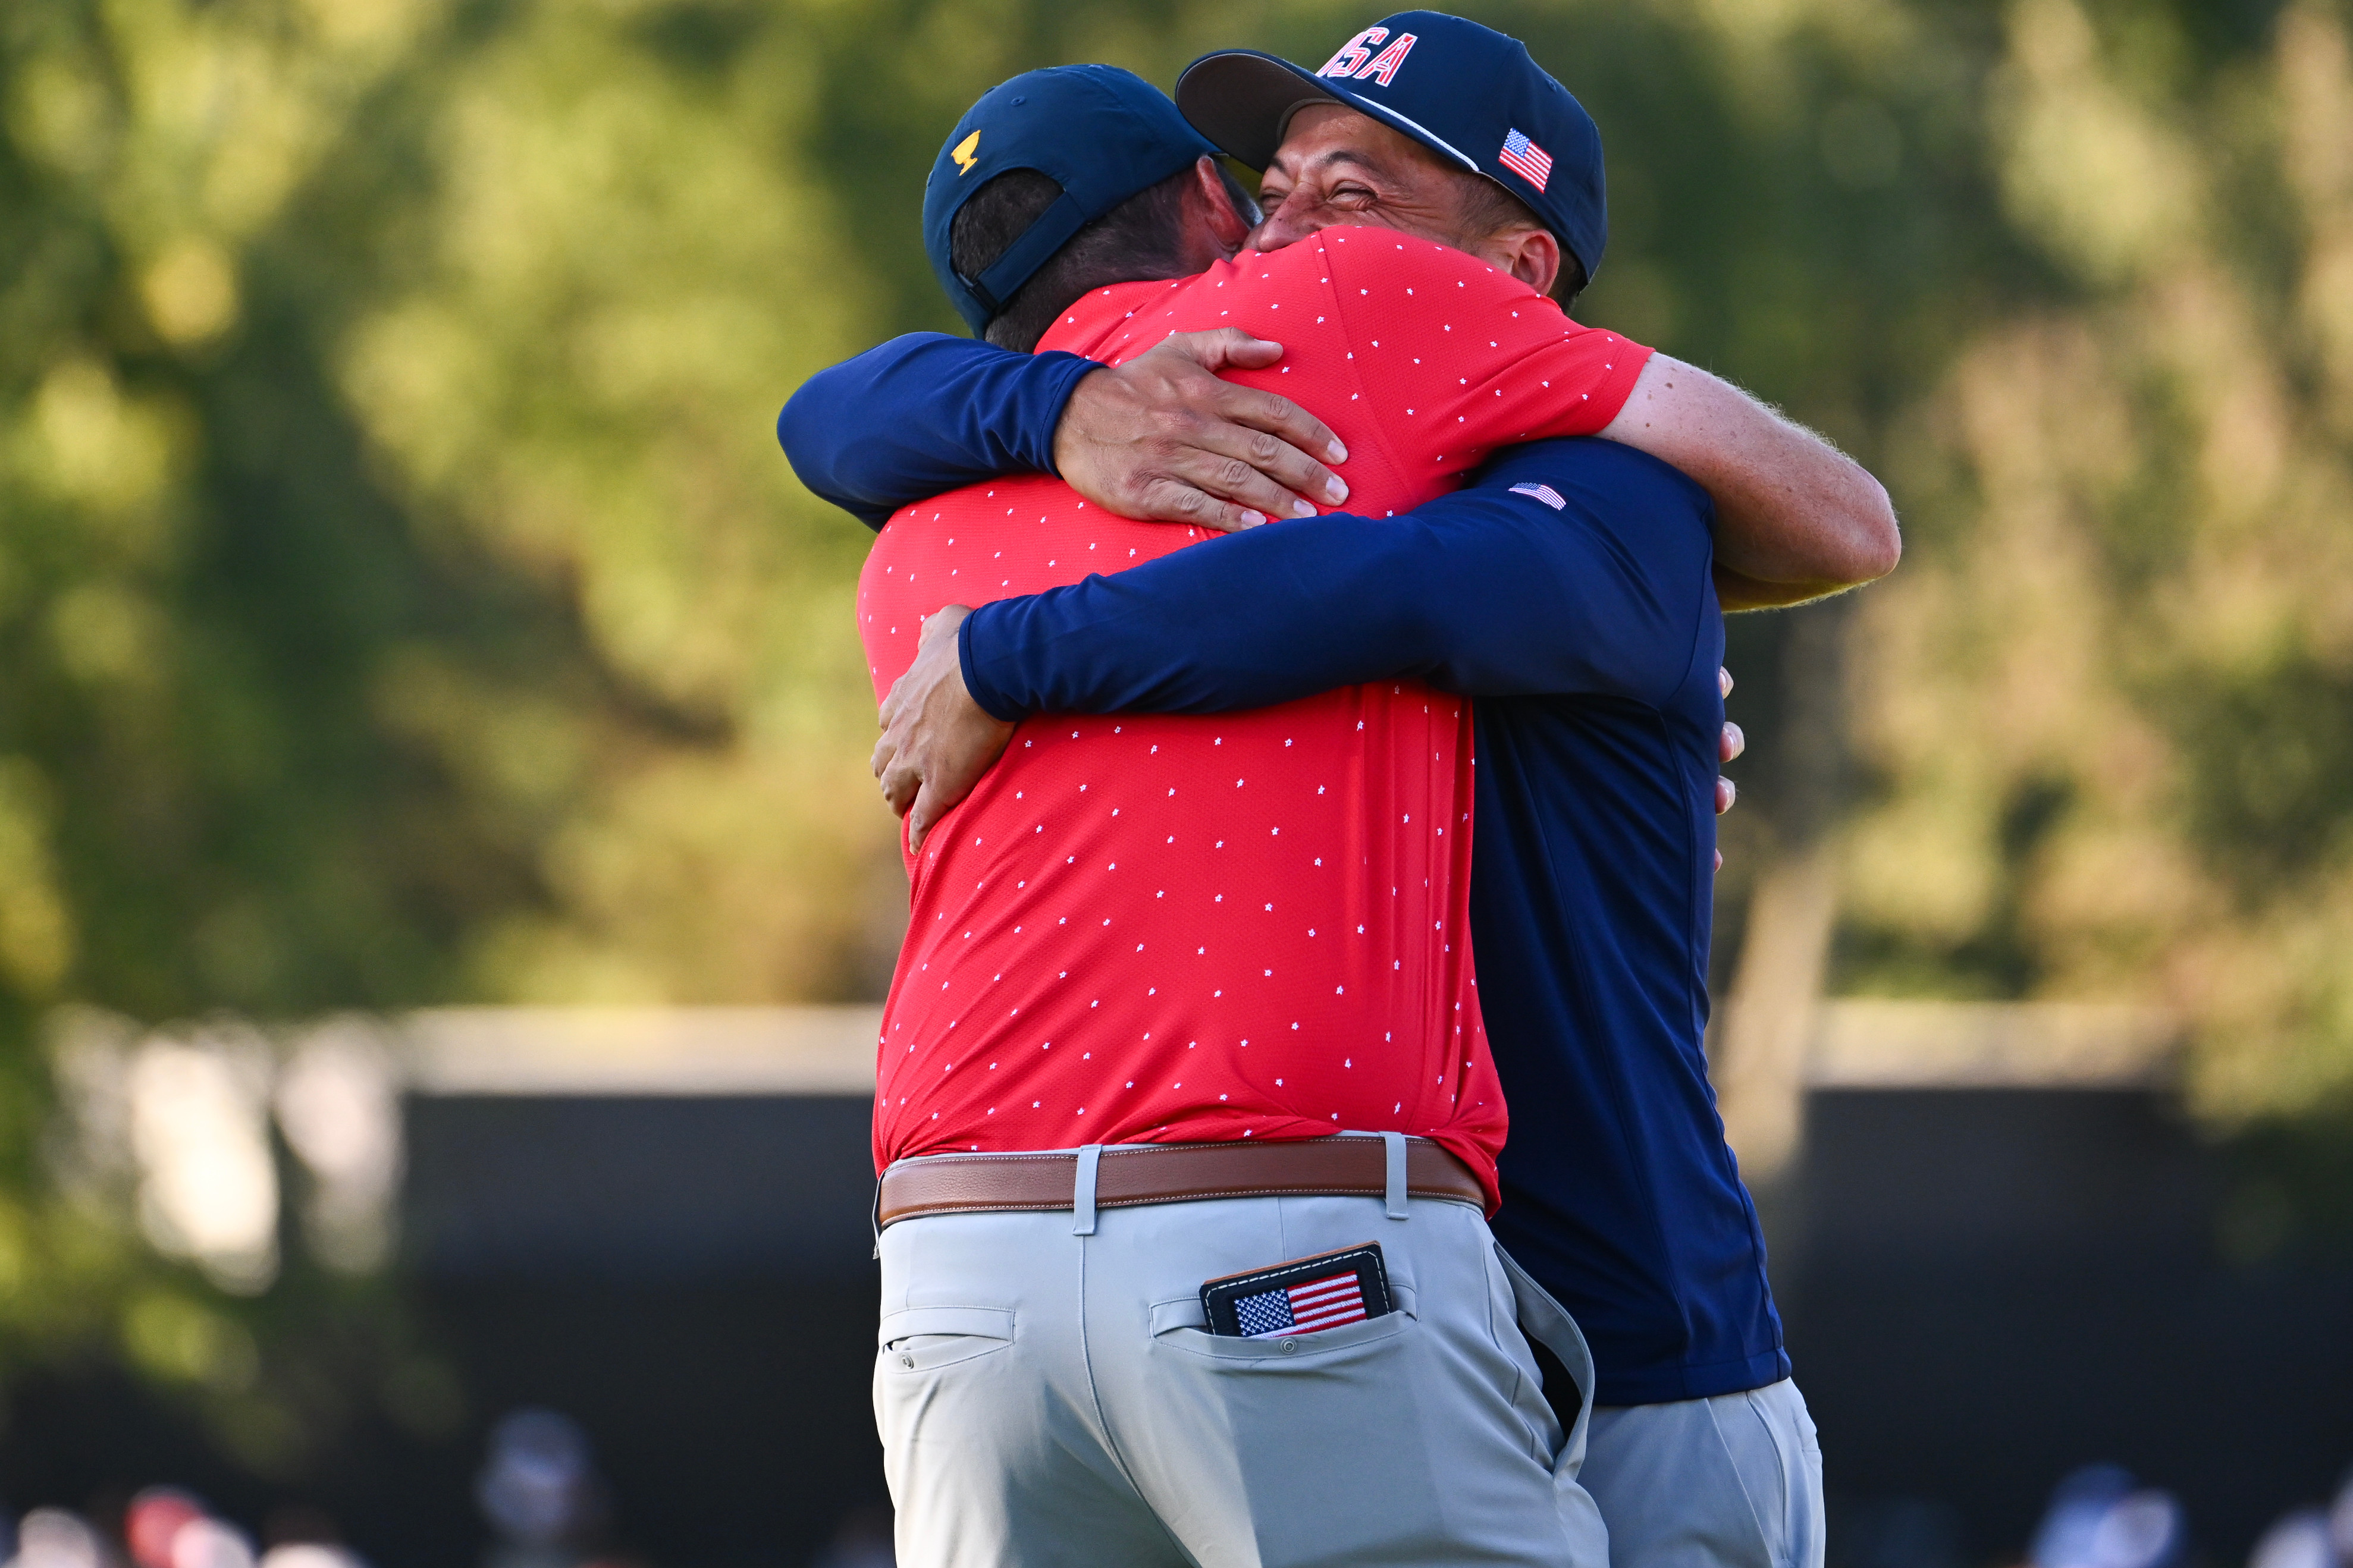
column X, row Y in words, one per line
column 1146, row 928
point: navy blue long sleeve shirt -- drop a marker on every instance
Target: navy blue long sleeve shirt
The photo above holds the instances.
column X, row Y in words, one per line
column 922, row 415
column 1569, row 592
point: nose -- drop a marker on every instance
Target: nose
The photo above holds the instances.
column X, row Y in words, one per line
column 1286, row 222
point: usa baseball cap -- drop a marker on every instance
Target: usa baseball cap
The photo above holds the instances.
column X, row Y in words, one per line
column 1100, row 132
column 1468, row 93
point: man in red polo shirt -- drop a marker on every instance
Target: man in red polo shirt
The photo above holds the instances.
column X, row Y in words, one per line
column 1097, row 809
column 1193, row 956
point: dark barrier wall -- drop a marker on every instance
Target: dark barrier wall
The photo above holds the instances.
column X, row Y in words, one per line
column 689, row 1278
column 1985, row 1288
column 640, row 1191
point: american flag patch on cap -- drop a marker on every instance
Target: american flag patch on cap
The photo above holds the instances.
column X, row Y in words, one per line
column 1525, row 158
column 1304, row 1308
column 1543, row 493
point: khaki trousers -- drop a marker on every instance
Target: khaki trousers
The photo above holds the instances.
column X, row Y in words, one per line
column 1734, row 1481
column 1052, row 1400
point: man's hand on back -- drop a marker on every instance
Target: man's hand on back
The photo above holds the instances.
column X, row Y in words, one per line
column 936, row 741
column 1163, row 440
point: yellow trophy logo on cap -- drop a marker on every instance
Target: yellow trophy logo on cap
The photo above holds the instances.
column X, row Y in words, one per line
column 963, row 155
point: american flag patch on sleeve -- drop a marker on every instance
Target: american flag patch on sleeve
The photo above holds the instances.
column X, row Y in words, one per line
column 1525, row 158
column 1543, row 493
column 1304, row 1297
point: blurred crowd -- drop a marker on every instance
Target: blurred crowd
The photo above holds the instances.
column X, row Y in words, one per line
column 165, row 1528
column 2310, row 1537
column 546, row 1506
column 538, row 1490
column 2101, row 1516
column 541, row 1497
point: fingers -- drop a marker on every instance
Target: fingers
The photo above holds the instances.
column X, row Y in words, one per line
column 1231, row 464
column 1265, row 412
column 937, row 741
column 1729, row 744
column 885, row 757
column 1231, row 348
column 901, row 778
column 1163, row 438
column 1223, row 348
column 1285, row 420
column 1280, row 439
column 1173, row 501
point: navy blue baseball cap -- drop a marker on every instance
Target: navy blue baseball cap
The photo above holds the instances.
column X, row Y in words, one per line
column 1100, row 132
column 1468, row 93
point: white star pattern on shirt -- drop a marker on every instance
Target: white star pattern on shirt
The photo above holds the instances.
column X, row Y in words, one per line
column 1062, row 867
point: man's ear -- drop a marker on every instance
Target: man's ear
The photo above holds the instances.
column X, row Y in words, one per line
column 1532, row 256
column 1230, row 224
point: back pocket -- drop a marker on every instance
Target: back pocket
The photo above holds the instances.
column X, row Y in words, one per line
column 924, row 1338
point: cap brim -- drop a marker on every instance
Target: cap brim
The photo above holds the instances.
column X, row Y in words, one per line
column 1243, row 100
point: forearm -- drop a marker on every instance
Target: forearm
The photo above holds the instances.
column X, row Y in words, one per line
column 1486, row 592
column 1792, row 510
column 1242, row 621
column 923, row 414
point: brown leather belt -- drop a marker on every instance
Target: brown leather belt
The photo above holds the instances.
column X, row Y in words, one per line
column 1342, row 1166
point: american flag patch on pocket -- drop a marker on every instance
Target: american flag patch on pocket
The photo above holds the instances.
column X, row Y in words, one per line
column 1307, row 1308
column 1306, row 1296
column 1543, row 493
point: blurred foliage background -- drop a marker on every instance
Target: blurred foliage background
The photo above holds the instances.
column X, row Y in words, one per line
column 402, row 599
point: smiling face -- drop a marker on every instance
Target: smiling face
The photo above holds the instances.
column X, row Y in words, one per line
column 1338, row 166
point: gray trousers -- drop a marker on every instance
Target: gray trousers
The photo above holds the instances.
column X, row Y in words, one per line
column 1052, row 1400
column 1734, row 1481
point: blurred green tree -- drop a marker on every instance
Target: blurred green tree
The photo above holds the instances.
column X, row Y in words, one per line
column 400, row 597
column 2110, row 700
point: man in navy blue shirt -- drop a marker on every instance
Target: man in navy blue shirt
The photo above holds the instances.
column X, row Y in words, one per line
column 1569, row 590
column 1566, row 589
